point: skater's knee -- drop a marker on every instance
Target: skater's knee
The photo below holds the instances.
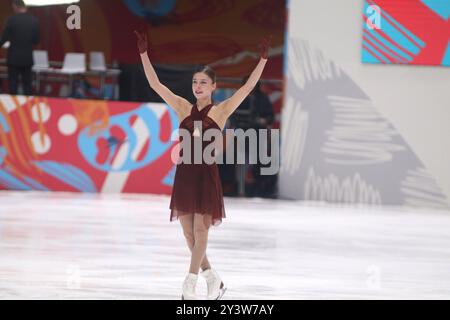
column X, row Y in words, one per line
column 200, row 235
column 189, row 235
column 200, row 228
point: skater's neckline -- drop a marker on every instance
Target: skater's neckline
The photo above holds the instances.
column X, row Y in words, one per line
column 196, row 106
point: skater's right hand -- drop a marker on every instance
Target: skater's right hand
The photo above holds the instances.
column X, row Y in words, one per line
column 265, row 46
column 141, row 41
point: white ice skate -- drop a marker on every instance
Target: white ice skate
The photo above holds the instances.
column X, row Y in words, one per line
column 216, row 288
column 189, row 287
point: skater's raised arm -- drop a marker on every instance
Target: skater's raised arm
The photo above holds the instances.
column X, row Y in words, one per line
column 231, row 104
column 179, row 104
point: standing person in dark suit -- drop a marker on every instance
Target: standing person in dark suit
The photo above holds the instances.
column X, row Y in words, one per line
column 22, row 31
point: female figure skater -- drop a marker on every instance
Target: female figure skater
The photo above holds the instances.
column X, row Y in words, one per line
column 197, row 198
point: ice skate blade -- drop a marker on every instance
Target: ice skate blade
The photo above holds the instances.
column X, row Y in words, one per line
column 221, row 293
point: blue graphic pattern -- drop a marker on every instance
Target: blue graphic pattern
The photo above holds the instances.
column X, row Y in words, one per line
column 88, row 143
column 67, row 173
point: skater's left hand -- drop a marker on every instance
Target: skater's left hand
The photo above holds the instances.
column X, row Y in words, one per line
column 141, row 41
column 264, row 46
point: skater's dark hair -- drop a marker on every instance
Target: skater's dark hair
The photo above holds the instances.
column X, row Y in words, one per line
column 208, row 71
column 19, row 3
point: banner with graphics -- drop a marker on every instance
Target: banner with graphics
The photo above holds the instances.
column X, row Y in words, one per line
column 406, row 32
column 85, row 145
column 346, row 128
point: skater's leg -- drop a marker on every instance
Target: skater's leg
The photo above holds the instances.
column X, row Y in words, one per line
column 201, row 228
column 187, row 223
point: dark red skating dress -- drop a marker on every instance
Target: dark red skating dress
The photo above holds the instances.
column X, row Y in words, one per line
column 197, row 187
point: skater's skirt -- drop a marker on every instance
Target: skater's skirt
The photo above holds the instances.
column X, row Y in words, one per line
column 197, row 189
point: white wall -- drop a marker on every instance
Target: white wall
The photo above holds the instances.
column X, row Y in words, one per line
column 415, row 99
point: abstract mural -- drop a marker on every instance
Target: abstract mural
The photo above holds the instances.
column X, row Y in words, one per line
column 337, row 146
column 406, row 32
column 85, row 145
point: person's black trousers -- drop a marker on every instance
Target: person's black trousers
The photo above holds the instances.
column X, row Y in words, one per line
column 24, row 72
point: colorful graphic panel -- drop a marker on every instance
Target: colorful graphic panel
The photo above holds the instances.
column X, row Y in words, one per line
column 406, row 32
column 85, row 145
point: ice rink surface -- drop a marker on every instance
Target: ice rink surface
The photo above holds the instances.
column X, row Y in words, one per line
column 57, row 245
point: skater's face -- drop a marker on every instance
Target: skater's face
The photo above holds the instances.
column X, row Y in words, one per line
column 202, row 85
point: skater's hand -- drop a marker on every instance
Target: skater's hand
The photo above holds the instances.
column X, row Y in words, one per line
column 264, row 47
column 141, row 41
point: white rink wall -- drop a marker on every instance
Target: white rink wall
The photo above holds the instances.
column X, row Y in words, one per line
column 354, row 132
